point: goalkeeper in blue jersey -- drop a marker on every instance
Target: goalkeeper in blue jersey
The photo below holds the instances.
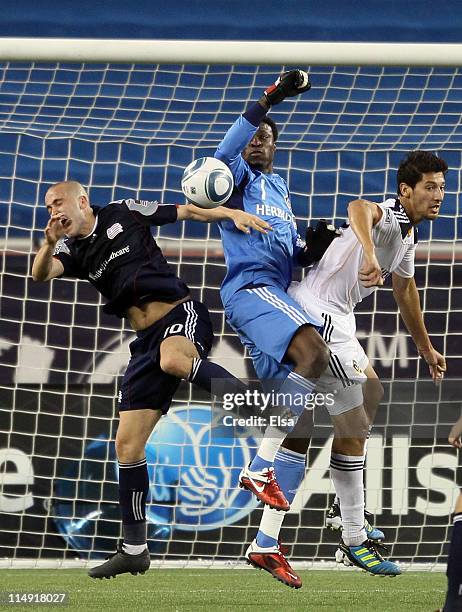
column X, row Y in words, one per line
column 271, row 325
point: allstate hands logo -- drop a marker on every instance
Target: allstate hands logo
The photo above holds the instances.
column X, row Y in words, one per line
column 194, row 471
column 193, row 477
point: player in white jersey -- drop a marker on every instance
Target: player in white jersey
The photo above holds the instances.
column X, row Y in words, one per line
column 380, row 241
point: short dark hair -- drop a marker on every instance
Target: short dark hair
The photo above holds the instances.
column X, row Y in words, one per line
column 417, row 163
column 273, row 126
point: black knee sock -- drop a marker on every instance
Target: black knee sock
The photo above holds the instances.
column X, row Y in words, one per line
column 453, row 601
column 133, row 491
column 203, row 372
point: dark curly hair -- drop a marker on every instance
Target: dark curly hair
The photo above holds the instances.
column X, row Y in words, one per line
column 417, row 163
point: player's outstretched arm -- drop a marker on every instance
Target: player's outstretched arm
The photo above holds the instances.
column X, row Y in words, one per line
column 362, row 216
column 242, row 220
column 45, row 266
column 407, row 297
column 289, row 84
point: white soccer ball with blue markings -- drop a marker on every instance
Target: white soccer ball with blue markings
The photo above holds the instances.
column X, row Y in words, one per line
column 207, row 182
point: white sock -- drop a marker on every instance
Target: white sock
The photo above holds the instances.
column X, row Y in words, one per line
column 134, row 549
column 271, row 522
column 347, row 475
column 270, row 444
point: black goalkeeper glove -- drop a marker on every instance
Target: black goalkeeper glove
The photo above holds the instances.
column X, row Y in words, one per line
column 317, row 240
column 289, row 84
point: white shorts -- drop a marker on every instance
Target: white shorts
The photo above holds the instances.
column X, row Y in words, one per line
column 343, row 379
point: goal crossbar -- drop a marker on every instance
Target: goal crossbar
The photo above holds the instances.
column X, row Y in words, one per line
column 228, row 52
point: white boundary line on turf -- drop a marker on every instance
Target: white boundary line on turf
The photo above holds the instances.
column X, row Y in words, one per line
column 203, row 564
column 78, row 50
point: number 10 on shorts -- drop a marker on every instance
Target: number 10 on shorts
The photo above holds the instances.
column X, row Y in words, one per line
column 176, row 328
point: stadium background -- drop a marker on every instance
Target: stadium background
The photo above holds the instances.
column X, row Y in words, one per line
column 131, row 131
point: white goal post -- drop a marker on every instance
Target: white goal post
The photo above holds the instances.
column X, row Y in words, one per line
column 124, row 118
column 229, row 52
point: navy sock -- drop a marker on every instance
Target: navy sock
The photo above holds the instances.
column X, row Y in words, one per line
column 133, row 491
column 203, row 372
column 453, row 601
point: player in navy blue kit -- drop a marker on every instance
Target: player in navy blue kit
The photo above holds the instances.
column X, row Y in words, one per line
column 271, row 325
column 114, row 249
column 453, row 601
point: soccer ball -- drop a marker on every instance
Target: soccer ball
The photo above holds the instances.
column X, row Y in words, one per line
column 207, row 182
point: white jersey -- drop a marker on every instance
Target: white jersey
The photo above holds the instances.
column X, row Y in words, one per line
column 333, row 282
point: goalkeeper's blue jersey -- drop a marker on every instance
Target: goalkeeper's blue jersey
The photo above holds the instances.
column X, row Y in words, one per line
column 256, row 258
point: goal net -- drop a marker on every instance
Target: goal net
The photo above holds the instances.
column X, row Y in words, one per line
column 128, row 130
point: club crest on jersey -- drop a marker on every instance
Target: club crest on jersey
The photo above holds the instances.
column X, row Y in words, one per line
column 114, row 230
column 61, row 247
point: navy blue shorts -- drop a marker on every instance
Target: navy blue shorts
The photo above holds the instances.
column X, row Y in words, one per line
column 144, row 384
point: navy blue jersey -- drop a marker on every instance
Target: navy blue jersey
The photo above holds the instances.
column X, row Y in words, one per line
column 121, row 258
column 256, row 258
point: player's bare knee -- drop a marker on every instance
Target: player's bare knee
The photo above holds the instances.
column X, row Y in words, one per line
column 176, row 364
column 348, row 446
column 128, row 450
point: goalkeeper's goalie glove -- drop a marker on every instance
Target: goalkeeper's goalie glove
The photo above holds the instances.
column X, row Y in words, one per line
column 317, row 240
column 289, row 84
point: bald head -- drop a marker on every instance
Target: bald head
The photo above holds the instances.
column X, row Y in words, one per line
column 73, row 188
column 68, row 200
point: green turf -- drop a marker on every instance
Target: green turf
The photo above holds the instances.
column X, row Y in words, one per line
column 233, row 589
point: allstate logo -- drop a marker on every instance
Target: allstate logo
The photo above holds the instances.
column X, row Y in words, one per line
column 194, row 471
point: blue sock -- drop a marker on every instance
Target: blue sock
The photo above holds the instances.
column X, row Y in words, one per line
column 293, row 394
column 453, row 601
column 203, row 372
column 289, row 468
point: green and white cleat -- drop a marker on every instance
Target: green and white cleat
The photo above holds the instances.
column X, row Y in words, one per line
column 367, row 557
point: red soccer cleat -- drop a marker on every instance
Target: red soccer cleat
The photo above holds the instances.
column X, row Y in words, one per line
column 264, row 486
column 273, row 561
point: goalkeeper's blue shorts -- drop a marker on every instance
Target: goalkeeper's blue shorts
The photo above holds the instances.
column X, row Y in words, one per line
column 266, row 319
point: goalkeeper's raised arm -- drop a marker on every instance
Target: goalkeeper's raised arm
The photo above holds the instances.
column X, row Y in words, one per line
column 254, row 121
